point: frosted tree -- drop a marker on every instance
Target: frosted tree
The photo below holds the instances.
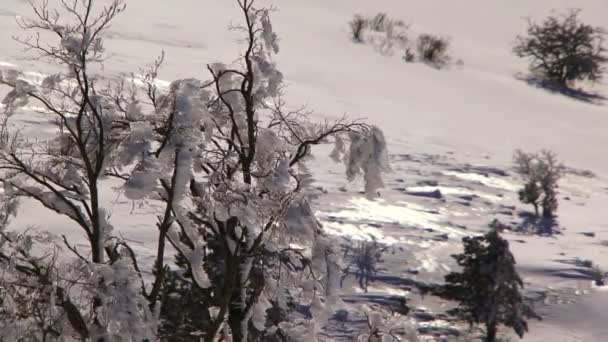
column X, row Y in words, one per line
column 244, row 225
column 226, row 160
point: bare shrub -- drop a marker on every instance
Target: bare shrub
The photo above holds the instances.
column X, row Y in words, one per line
column 364, row 257
column 357, row 26
column 562, row 49
column 433, row 49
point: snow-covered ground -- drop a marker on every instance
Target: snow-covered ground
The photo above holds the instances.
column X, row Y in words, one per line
column 452, row 130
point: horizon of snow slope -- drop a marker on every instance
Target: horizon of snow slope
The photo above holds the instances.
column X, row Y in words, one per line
column 475, row 112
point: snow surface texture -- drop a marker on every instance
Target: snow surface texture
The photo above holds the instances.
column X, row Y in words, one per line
column 437, row 123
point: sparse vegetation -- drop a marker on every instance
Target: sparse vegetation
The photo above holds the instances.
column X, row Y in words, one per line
column 563, row 49
column 429, row 48
column 541, row 173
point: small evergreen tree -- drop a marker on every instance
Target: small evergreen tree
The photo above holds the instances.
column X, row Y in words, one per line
column 564, row 49
column 488, row 287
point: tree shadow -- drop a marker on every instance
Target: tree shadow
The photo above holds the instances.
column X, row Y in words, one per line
column 537, row 225
column 576, row 273
column 552, row 87
column 393, row 302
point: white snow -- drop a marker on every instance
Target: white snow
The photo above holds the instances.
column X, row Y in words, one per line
column 485, row 180
column 399, row 213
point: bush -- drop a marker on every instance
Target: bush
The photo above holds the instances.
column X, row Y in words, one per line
column 562, row 49
column 357, row 26
column 433, row 49
column 541, row 173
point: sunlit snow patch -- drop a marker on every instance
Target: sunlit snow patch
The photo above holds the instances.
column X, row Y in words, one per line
column 360, row 214
column 446, row 190
column 7, row 64
column 361, row 232
column 161, row 84
column 485, row 180
column 391, row 291
column 34, row 77
column 431, row 264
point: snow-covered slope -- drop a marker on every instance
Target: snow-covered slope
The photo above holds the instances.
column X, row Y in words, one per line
column 477, row 111
column 479, row 106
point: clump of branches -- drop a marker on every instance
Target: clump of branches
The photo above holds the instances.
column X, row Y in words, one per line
column 563, row 49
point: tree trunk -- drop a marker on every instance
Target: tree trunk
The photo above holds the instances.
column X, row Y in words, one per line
column 236, row 313
column 235, row 321
column 491, row 332
column 547, row 213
